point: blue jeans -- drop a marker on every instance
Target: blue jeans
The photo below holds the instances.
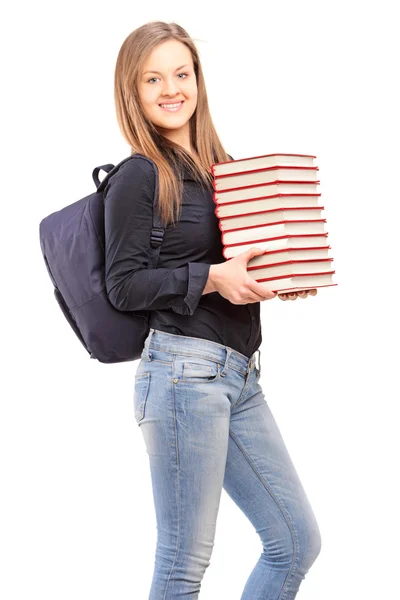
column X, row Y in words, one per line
column 206, row 425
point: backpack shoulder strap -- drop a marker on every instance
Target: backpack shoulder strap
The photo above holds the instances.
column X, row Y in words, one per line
column 157, row 232
column 110, row 170
column 95, row 174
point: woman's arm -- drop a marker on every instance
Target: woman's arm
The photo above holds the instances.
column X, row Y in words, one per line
column 128, row 220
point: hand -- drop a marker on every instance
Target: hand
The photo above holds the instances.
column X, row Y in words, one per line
column 233, row 282
column 293, row 295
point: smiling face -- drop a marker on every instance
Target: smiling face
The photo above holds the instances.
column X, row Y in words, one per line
column 168, row 77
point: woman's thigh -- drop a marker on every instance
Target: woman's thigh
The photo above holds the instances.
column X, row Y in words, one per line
column 262, row 480
column 183, row 412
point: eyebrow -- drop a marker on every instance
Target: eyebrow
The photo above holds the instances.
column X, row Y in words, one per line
column 158, row 72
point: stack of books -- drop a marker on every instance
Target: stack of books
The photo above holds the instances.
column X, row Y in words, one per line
column 271, row 202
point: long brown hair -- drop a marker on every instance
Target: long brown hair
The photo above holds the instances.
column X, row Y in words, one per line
column 141, row 134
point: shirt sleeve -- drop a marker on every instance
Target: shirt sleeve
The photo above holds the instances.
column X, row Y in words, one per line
column 128, row 220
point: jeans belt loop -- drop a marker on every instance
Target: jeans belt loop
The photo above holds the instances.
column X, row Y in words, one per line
column 148, row 339
column 225, row 369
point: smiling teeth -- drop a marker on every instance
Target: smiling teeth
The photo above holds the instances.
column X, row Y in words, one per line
column 170, row 105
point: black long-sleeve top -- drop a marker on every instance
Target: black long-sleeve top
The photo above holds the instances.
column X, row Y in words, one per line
column 173, row 291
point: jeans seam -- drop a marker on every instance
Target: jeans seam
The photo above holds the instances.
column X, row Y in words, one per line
column 164, row 362
column 178, row 487
column 197, row 339
column 296, row 555
column 242, row 393
column 191, row 355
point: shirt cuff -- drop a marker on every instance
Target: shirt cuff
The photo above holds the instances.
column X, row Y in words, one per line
column 198, row 275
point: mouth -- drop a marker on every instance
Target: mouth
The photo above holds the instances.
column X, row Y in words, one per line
column 172, row 107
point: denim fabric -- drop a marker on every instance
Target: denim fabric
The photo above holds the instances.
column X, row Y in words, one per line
column 206, row 425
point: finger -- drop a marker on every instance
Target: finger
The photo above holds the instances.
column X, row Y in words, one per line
column 282, row 296
column 313, row 292
column 261, row 292
column 292, row 296
column 303, row 294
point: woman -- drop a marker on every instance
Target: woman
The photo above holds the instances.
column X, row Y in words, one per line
column 197, row 398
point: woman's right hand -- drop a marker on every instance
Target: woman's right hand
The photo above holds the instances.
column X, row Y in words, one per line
column 233, row 282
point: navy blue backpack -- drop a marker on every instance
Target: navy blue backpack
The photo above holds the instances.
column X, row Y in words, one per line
column 72, row 241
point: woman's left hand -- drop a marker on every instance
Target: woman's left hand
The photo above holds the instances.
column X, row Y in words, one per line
column 293, row 295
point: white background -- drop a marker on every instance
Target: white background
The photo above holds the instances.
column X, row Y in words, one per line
column 77, row 516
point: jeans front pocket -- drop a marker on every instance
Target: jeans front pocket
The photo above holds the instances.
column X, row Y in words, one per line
column 192, row 369
column 142, row 382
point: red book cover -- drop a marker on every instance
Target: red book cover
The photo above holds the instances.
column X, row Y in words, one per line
column 279, row 237
column 254, row 241
column 240, row 160
column 254, row 188
column 272, row 174
column 281, row 176
column 287, row 262
column 275, row 212
column 273, row 287
column 241, row 203
column 275, row 253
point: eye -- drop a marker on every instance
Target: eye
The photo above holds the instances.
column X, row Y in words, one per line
column 152, row 78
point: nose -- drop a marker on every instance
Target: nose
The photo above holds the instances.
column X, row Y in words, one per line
column 171, row 87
